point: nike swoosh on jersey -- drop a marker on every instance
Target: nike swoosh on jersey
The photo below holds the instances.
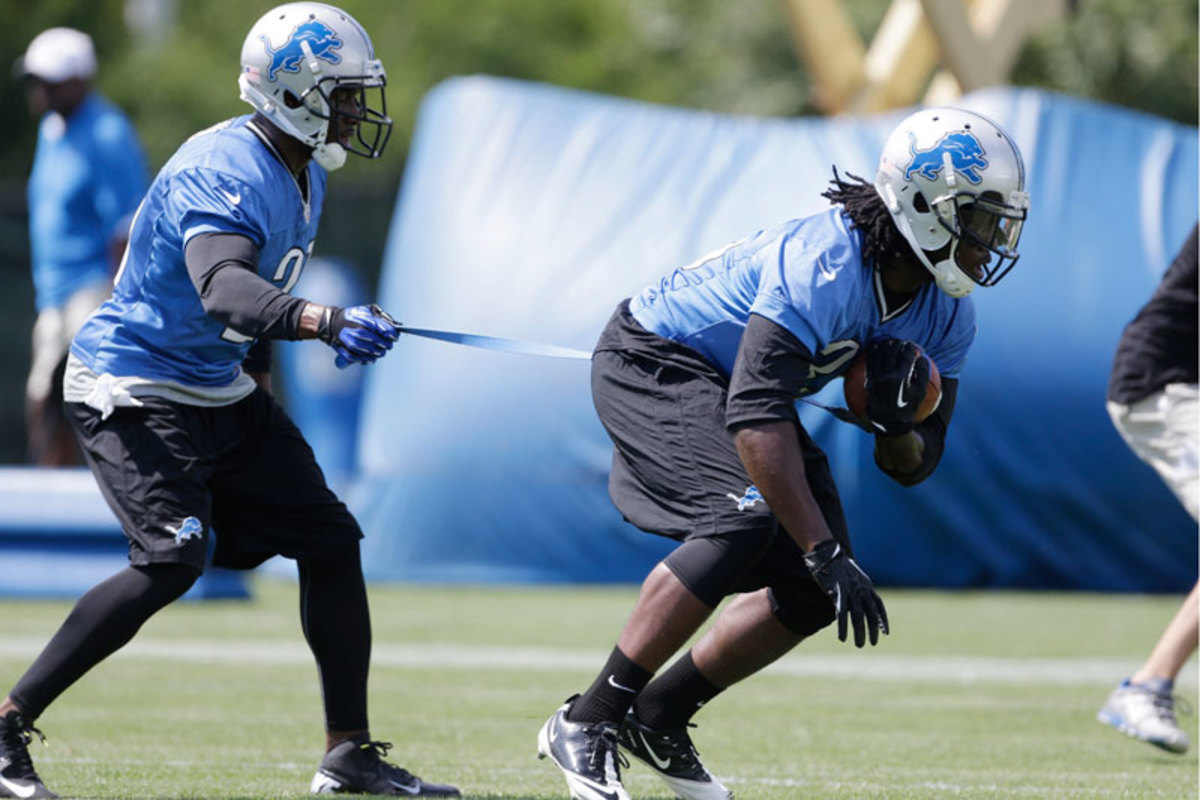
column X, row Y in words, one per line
column 233, row 198
column 661, row 763
column 17, row 789
column 826, row 273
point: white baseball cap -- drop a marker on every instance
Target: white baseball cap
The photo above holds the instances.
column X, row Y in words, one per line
column 59, row 54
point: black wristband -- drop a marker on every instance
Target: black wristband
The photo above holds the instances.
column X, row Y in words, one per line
column 329, row 323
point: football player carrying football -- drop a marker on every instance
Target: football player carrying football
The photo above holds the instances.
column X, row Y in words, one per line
column 695, row 378
column 168, row 388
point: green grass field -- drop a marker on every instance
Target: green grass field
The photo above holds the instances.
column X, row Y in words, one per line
column 974, row 695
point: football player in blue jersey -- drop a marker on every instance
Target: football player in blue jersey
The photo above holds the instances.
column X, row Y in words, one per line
column 168, row 388
column 695, row 379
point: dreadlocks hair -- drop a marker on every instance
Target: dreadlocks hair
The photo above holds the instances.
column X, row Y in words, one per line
column 882, row 241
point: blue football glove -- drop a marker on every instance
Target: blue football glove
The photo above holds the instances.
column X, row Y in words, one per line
column 359, row 334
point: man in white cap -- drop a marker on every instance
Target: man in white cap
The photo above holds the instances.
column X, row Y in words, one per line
column 89, row 174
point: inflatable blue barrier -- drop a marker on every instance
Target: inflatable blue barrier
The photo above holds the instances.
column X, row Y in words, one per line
column 58, row 538
column 529, row 211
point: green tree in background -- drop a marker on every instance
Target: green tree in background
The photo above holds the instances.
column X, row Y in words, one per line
column 709, row 54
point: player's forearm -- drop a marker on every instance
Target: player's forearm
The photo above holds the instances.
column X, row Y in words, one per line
column 771, row 454
column 899, row 454
column 310, row 321
column 911, row 458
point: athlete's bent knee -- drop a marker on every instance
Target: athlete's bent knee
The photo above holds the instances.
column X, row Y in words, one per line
column 801, row 611
column 168, row 582
column 711, row 566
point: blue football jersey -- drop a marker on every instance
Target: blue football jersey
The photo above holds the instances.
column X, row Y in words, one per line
column 809, row 277
column 226, row 179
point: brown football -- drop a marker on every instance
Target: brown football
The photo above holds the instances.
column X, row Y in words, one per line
column 854, row 385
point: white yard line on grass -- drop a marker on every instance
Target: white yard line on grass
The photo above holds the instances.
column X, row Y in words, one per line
column 853, row 665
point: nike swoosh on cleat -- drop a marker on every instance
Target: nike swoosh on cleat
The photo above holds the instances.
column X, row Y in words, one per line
column 661, row 763
column 597, row 790
column 17, row 789
column 616, row 685
column 405, row 788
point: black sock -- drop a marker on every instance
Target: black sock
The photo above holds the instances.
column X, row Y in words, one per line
column 675, row 696
column 337, row 625
column 612, row 693
column 102, row 622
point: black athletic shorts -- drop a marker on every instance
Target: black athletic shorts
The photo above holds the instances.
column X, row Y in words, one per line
column 171, row 471
column 676, row 471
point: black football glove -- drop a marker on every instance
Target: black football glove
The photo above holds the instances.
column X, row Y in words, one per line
column 851, row 591
column 897, row 377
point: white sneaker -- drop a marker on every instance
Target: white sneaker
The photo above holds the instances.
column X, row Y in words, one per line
column 1145, row 711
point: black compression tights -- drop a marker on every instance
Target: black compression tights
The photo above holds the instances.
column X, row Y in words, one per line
column 102, row 622
column 337, row 625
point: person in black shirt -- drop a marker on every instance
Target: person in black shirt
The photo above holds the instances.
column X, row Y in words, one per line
column 1154, row 403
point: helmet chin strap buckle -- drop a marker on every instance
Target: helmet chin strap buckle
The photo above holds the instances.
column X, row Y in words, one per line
column 330, row 156
column 949, row 278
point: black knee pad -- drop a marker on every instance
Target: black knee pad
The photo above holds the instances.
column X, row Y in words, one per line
column 711, row 566
column 801, row 609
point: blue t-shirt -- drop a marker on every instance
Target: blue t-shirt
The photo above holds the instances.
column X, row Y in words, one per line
column 89, row 174
column 809, row 277
column 227, row 179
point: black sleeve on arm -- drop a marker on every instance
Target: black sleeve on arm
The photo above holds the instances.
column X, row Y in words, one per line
column 223, row 268
column 771, row 369
column 933, row 432
column 258, row 358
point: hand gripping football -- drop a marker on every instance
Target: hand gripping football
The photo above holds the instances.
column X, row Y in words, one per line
column 854, row 385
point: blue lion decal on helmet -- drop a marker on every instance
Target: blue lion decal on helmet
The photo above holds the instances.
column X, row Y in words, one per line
column 321, row 40
column 966, row 154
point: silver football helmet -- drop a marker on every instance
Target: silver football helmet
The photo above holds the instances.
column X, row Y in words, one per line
column 949, row 175
column 308, row 67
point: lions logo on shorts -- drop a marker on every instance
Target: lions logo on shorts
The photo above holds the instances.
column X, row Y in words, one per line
column 190, row 528
column 747, row 500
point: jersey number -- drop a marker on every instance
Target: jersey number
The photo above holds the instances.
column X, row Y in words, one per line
column 832, row 357
column 288, row 271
